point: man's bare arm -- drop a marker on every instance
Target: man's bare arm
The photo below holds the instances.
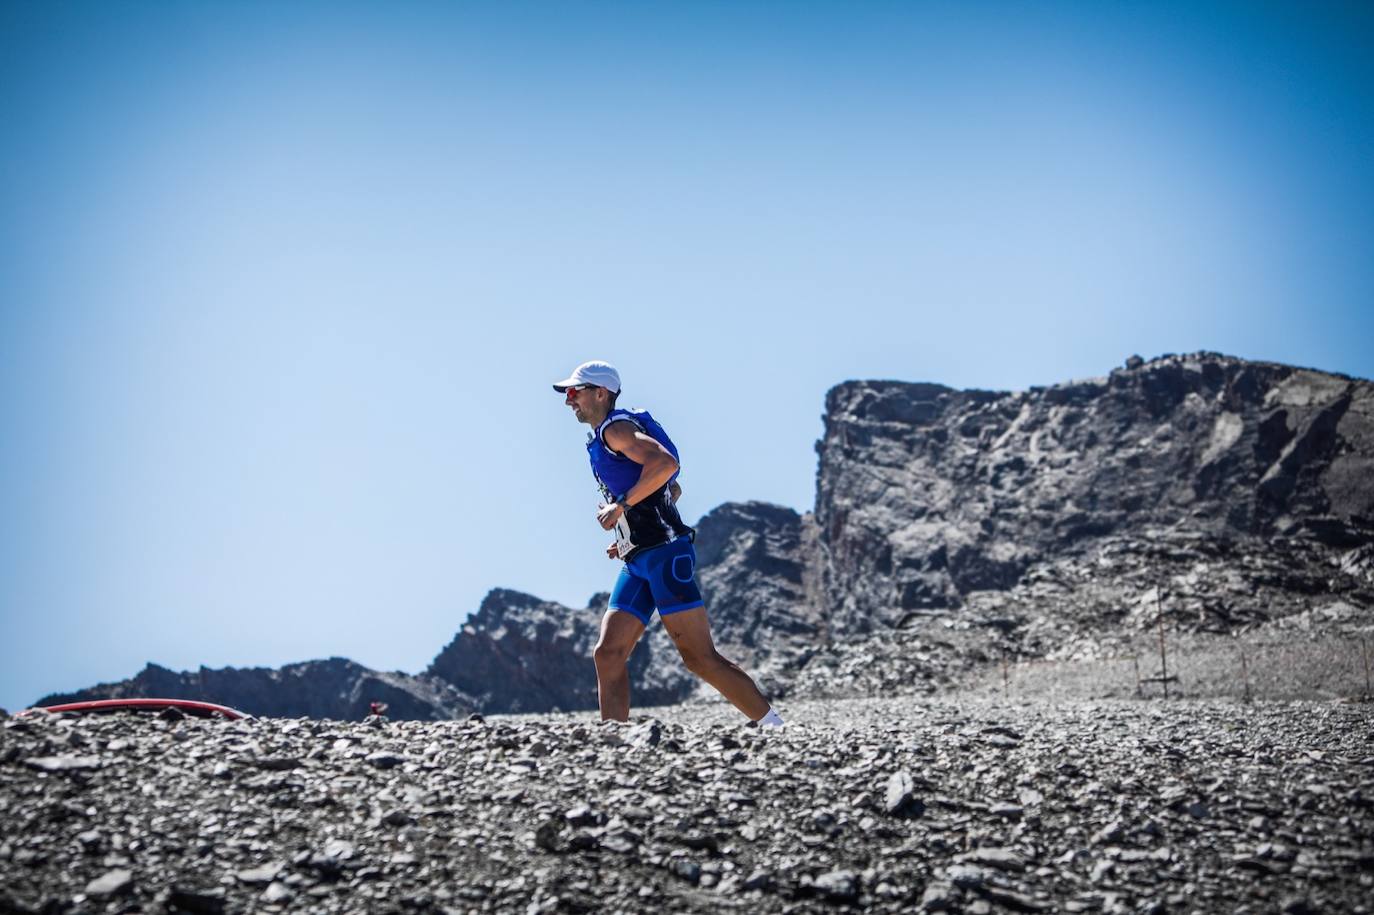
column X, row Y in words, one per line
column 659, row 463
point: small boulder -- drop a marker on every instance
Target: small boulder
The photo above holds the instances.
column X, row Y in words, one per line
column 258, row 875
column 112, row 883
column 899, row 798
column 199, row 901
column 838, row 886
column 647, row 734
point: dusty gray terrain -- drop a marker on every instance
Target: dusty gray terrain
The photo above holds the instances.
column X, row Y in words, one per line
column 881, row 805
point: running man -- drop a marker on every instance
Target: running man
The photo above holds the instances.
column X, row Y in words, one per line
column 636, row 467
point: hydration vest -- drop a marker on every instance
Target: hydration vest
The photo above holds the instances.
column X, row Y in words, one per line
column 615, row 472
column 652, row 521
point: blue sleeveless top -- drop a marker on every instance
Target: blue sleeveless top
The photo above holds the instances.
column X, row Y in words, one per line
column 654, row 520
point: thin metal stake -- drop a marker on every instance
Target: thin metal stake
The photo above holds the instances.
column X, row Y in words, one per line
column 1245, row 674
column 1135, row 662
column 1364, row 644
column 1005, row 676
column 1163, row 655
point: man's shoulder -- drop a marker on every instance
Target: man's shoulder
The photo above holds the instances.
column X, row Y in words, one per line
column 620, row 416
column 624, row 420
column 619, row 427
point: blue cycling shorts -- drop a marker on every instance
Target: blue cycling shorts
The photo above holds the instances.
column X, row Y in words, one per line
column 662, row 577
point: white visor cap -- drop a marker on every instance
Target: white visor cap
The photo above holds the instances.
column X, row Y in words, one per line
column 601, row 374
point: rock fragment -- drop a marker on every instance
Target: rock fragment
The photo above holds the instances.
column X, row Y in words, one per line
column 198, row 901
column 623, row 842
column 277, row 763
column 277, row 893
column 899, row 797
column 939, row 897
column 339, row 849
column 262, row 874
column 1016, row 901
column 1000, row 858
column 686, row 869
column 546, row 836
column 838, row 886
column 63, row 763
column 111, row 883
column 966, row 876
column 647, row 734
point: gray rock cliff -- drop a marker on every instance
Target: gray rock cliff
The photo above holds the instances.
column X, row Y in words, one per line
column 928, row 495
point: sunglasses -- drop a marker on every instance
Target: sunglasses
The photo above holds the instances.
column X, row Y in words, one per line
column 574, row 388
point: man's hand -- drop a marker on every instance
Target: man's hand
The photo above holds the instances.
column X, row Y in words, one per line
column 613, row 551
column 608, row 515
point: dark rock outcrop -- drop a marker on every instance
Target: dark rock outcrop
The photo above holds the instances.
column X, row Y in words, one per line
column 757, row 577
column 928, row 495
column 754, row 574
column 333, row 688
column 518, row 653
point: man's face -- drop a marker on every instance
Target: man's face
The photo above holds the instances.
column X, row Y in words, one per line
column 582, row 399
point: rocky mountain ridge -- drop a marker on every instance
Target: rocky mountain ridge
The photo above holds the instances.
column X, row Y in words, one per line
column 956, row 528
column 331, row 688
column 927, row 495
column 519, row 653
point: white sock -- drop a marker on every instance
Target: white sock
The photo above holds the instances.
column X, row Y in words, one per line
column 771, row 720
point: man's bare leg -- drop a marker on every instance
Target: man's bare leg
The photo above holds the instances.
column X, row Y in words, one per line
column 619, row 633
column 691, row 632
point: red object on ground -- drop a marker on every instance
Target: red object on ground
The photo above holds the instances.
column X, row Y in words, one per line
column 189, row 706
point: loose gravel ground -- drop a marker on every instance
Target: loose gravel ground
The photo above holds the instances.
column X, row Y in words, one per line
column 881, row 805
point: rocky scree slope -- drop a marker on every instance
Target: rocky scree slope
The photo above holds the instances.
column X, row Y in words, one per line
column 874, row 805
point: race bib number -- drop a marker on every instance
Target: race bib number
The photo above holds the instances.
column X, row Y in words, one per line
column 623, row 543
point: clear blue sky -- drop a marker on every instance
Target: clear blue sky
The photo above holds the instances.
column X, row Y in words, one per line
column 283, row 286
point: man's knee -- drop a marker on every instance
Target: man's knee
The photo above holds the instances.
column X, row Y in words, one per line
column 611, row 655
column 703, row 663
